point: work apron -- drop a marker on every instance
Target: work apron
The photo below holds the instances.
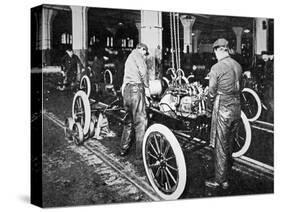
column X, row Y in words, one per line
column 225, row 121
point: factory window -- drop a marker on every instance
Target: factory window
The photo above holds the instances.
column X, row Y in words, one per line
column 123, row 44
column 93, row 40
column 109, row 41
column 131, row 43
column 66, row 38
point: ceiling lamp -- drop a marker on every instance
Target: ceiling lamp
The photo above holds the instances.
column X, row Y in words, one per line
column 246, row 30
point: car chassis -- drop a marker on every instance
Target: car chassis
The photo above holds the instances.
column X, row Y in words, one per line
column 170, row 136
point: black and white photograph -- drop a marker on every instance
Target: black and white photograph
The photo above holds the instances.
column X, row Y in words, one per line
column 142, row 105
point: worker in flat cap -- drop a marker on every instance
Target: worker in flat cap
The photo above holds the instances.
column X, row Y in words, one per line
column 69, row 64
column 134, row 89
column 224, row 101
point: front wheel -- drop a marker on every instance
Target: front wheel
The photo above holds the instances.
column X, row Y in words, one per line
column 81, row 110
column 164, row 162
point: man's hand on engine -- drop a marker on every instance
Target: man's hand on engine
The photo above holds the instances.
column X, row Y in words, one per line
column 209, row 102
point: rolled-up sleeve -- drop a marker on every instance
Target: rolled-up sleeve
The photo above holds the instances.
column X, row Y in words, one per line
column 142, row 69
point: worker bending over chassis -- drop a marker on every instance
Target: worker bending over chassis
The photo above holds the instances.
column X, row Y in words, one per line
column 134, row 88
column 224, row 98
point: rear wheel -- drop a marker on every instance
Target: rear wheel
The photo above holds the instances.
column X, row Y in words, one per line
column 164, row 162
column 251, row 104
column 242, row 138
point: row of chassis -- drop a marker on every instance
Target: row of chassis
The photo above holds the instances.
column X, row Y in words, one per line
column 167, row 141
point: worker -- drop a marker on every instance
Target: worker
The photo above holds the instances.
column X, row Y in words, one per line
column 69, row 64
column 134, row 89
column 224, row 100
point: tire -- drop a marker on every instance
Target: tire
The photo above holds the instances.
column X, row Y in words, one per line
column 77, row 134
column 243, row 136
column 172, row 149
column 251, row 104
column 107, row 71
column 81, row 102
column 85, row 85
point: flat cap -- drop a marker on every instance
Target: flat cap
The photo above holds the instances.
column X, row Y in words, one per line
column 220, row 42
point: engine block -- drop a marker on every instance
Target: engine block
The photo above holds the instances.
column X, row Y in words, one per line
column 186, row 100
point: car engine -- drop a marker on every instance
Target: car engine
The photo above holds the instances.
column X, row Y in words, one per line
column 186, row 100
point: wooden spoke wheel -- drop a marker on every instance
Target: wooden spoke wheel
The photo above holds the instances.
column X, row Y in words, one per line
column 242, row 137
column 85, row 85
column 77, row 134
column 251, row 104
column 164, row 162
column 81, row 110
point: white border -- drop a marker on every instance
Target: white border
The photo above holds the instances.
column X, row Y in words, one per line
column 15, row 103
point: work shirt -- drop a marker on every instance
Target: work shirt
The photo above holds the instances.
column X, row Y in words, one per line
column 224, row 79
column 135, row 69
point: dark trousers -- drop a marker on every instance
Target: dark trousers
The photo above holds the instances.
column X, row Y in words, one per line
column 226, row 128
column 136, row 120
column 71, row 76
